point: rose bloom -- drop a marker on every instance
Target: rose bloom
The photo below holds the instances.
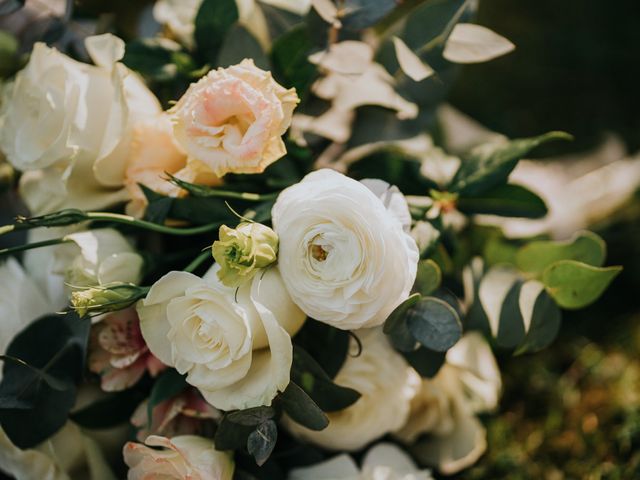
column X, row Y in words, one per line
column 233, row 344
column 184, row 457
column 387, row 385
column 345, row 252
column 184, row 414
column 117, row 351
column 68, row 125
column 232, row 119
column 385, row 461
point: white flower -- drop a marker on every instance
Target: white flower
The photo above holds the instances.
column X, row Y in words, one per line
column 98, row 257
column 387, row 385
column 68, row 125
column 186, row 457
column 446, row 407
column 233, row 345
column 345, row 254
column 385, row 461
column 233, row 119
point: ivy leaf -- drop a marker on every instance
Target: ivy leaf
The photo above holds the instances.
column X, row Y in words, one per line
column 585, row 247
column 169, row 384
column 574, row 284
column 239, row 44
column 506, row 201
column 488, row 166
column 213, row 21
column 262, row 441
column 302, row 409
column 434, row 323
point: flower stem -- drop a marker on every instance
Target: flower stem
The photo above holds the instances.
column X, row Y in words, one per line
column 128, row 220
column 199, row 260
column 31, row 246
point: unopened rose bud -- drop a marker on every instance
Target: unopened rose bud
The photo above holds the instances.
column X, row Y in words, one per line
column 104, row 299
column 243, row 251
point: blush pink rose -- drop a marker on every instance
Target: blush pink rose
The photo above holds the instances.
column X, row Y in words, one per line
column 232, row 120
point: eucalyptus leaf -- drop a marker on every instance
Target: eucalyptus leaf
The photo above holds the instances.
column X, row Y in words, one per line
column 585, row 247
column 511, row 328
column 213, row 21
column 230, row 435
column 434, row 323
column 542, row 317
column 574, row 284
column 493, row 290
column 428, row 278
column 506, row 201
column 302, row 409
column 251, row 417
column 489, row 165
column 262, row 441
column 426, row 362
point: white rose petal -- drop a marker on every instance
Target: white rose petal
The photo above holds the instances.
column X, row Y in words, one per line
column 471, row 43
column 345, row 256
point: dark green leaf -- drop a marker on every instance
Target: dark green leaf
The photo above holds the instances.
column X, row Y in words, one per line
column 302, row 409
column 488, row 166
column 327, row 345
column 213, row 21
column 110, row 411
column 397, row 317
column 511, row 325
column 240, row 44
column 152, row 57
column 434, row 323
column 426, row 362
column 289, row 56
column 168, row 385
column 158, row 206
column 262, row 441
column 543, row 318
column 10, row 6
column 365, row 13
column 428, row 278
column 230, row 435
column 251, row 416
column 428, row 21
column 575, row 285
column 506, row 201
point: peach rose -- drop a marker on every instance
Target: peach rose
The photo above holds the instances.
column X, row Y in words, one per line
column 232, row 119
column 184, row 457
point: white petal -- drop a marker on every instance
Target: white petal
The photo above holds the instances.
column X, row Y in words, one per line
column 415, row 68
column 470, row 43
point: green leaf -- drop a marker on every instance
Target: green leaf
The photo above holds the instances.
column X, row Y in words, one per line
column 213, row 21
column 541, row 315
column 153, row 58
column 329, row 396
column 511, row 328
column 262, row 441
column 585, row 247
column 434, row 323
column 430, row 20
column 397, row 317
column 302, row 409
column 113, row 410
column 488, row 166
column 8, row 54
column 428, row 278
column 31, row 409
column 230, row 435
column 290, row 64
column 426, row 362
column 240, row 44
column 9, row 6
column 506, row 201
column 365, row 13
column 251, row 417
column 327, row 345
column 574, row 284
column 168, row 385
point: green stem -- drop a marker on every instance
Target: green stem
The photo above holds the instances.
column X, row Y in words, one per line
column 199, row 260
column 128, row 220
column 30, row 246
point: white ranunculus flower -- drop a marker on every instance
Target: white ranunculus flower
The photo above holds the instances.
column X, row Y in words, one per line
column 233, row 119
column 68, row 125
column 446, row 407
column 387, row 385
column 180, row 458
column 234, row 346
column 384, row 461
column 98, row 257
column 345, row 254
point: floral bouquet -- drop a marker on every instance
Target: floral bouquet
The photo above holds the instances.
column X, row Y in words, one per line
column 254, row 244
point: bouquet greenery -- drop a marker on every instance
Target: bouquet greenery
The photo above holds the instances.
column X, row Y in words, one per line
column 258, row 247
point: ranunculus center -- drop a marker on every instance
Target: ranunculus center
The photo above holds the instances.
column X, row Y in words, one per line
column 319, row 253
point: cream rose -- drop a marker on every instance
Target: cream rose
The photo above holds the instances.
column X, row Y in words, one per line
column 68, row 125
column 186, row 457
column 385, row 461
column 345, row 253
column 387, row 385
column 446, row 407
column 234, row 345
column 232, row 120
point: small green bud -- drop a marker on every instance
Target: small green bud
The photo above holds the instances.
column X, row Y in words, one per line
column 243, row 251
column 108, row 298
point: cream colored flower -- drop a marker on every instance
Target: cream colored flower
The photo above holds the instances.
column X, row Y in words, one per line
column 384, row 461
column 345, row 255
column 234, row 345
column 68, row 125
column 154, row 153
column 232, row 120
column 446, row 407
column 186, row 457
column 387, row 385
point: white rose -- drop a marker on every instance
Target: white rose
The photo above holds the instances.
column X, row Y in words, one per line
column 385, row 461
column 186, row 457
column 446, row 407
column 345, row 254
column 68, row 125
column 387, row 385
column 98, row 257
column 234, row 345
column 233, row 119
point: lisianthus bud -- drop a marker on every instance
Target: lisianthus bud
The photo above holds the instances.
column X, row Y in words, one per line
column 242, row 251
column 107, row 298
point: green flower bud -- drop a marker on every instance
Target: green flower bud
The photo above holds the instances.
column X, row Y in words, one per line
column 108, row 298
column 243, row 251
